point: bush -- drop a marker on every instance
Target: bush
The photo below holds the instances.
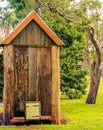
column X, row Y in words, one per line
column 73, row 77
column 74, row 83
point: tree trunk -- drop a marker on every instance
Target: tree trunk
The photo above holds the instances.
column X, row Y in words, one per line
column 94, row 85
column 95, row 69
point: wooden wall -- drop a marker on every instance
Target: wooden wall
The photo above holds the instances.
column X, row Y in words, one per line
column 32, row 35
column 31, row 74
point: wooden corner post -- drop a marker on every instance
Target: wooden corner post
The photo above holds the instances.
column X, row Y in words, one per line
column 8, row 83
column 55, row 85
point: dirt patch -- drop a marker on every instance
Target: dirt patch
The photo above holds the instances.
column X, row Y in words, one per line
column 63, row 120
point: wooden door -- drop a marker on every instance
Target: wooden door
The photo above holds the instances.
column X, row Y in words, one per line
column 21, row 80
column 44, row 78
column 33, row 79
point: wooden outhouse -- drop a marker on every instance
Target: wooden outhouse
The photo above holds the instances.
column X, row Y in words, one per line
column 31, row 72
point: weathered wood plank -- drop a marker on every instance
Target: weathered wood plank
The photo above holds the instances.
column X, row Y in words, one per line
column 55, row 84
column 32, row 74
column 16, row 40
column 44, row 77
column 23, row 120
column 23, row 37
column 32, row 35
column 8, row 95
column 42, row 37
column 18, row 120
column 21, row 80
column 36, row 34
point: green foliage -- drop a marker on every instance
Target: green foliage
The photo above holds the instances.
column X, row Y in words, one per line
column 22, row 7
column 73, row 77
column 73, row 81
column 9, row 20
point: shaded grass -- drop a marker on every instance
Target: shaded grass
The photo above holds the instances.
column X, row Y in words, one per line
column 80, row 116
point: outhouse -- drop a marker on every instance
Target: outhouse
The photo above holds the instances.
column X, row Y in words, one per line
column 31, row 72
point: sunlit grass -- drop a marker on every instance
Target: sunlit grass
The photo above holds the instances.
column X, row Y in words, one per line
column 1, row 108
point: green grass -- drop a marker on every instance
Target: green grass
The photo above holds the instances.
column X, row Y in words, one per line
column 80, row 116
column 1, row 109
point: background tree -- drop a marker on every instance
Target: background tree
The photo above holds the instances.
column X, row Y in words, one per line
column 81, row 11
column 73, row 76
column 8, row 20
column 22, row 7
column 95, row 10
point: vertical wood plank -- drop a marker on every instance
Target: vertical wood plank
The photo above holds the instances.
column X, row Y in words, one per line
column 23, row 37
column 16, row 40
column 8, row 95
column 32, row 74
column 30, row 34
column 55, row 84
column 36, row 34
column 42, row 37
column 44, row 78
column 21, row 80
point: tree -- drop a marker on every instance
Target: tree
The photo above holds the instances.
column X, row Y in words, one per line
column 81, row 11
column 95, row 69
column 8, row 20
column 73, row 77
column 22, row 7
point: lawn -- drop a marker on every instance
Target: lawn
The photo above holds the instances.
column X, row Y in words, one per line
column 80, row 116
